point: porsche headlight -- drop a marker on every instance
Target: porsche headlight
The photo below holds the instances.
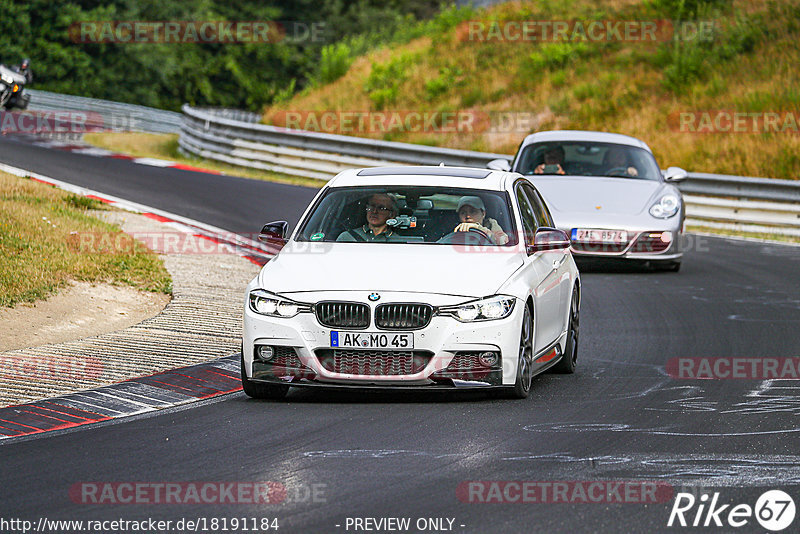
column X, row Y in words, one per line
column 488, row 309
column 266, row 303
column 666, row 207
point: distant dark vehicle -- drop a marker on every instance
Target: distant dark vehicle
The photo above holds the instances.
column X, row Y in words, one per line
column 12, row 85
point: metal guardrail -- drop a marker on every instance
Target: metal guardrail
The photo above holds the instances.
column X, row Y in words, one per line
column 115, row 116
column 761, row 205
column 305, row 153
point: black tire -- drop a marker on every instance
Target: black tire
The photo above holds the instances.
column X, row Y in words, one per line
column 672, row 266
column 568, row 362
column 262, row 391
column 522, row 386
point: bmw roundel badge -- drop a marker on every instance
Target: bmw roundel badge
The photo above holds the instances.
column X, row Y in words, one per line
column 374, row 297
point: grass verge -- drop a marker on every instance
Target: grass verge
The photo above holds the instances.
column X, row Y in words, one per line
column 39, row 249
column 165, row 146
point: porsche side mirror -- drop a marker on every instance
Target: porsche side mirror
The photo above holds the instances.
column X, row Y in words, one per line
column 499, row 164
column 674, row 174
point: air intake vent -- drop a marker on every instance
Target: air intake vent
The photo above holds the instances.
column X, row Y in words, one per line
column 342, row 314
column 403, row 316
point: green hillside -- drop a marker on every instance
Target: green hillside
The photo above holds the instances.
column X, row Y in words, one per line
column 716, row 89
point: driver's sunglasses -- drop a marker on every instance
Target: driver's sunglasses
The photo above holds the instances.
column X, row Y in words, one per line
column 382, row 209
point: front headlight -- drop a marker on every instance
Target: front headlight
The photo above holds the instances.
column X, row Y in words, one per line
column 266, row 303
column 666, row 207
column 488, row 309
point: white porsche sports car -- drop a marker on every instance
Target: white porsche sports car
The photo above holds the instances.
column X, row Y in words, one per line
column 414, row 277
column 607, row 192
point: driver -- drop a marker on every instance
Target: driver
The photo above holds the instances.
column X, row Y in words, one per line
column 472, row 213
column 380, row 208
column 617, row 159
column 553, row 162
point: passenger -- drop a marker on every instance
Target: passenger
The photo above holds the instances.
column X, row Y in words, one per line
column 553, row 162
column 380, row 208
column 472, row 213
column 617, row 162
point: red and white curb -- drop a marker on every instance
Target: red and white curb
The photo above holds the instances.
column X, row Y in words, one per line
column 130, row 397
column 250, row 249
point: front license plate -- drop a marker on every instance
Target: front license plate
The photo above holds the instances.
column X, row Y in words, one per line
column 590, row 235
column 371, row 340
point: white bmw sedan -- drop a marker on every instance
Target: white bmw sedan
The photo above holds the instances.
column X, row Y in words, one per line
column 414, row 277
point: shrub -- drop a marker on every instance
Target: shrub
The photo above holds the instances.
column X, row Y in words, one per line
column 448, row 77
column 385, row 78
column 334, row 61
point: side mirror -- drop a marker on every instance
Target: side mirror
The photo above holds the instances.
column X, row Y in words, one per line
column 274, row 233
column 549, row 239
column 499, row 164
column 674, row 174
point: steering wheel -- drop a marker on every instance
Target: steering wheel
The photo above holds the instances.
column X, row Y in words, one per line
column 453, row 238
column 617, row 171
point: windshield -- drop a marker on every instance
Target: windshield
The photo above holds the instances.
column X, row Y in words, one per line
column 410, row 214
column 588, row 159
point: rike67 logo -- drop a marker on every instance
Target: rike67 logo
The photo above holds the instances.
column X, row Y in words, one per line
column 774, row 510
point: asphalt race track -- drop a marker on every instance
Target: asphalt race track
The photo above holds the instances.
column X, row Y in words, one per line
column 343, row 455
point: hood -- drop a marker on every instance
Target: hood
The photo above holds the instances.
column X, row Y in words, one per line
column 583, row 194
column 442, row 269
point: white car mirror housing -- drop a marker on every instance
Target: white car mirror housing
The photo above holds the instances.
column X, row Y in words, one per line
column 499, row 164
column 674, row 174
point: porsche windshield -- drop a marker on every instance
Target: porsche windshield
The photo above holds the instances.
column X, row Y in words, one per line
column 410, row 214
column 588, row 159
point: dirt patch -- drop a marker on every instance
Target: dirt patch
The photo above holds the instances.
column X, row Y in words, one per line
column 80, row 310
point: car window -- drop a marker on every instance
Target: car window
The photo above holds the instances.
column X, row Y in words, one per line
column 527, row 214
column 584, row 158
column 413, row 214
column 539, row 210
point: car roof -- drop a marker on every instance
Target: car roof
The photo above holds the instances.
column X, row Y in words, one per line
column 463, row 177
column 583, row 135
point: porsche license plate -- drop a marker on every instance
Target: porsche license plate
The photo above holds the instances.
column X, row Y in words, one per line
column 372, row 340
column 591, row 235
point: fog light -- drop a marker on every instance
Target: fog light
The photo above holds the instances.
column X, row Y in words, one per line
column 265, row 352
column 488, row 359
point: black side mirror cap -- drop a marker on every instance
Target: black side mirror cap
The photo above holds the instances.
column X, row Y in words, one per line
column 549, row 239
column 274, row 231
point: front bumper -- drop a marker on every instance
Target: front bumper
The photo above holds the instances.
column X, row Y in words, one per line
column 444, row 353
column 444, row 385
column 641, row 245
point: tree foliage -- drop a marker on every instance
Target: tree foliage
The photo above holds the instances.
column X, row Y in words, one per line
column 165, row 75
